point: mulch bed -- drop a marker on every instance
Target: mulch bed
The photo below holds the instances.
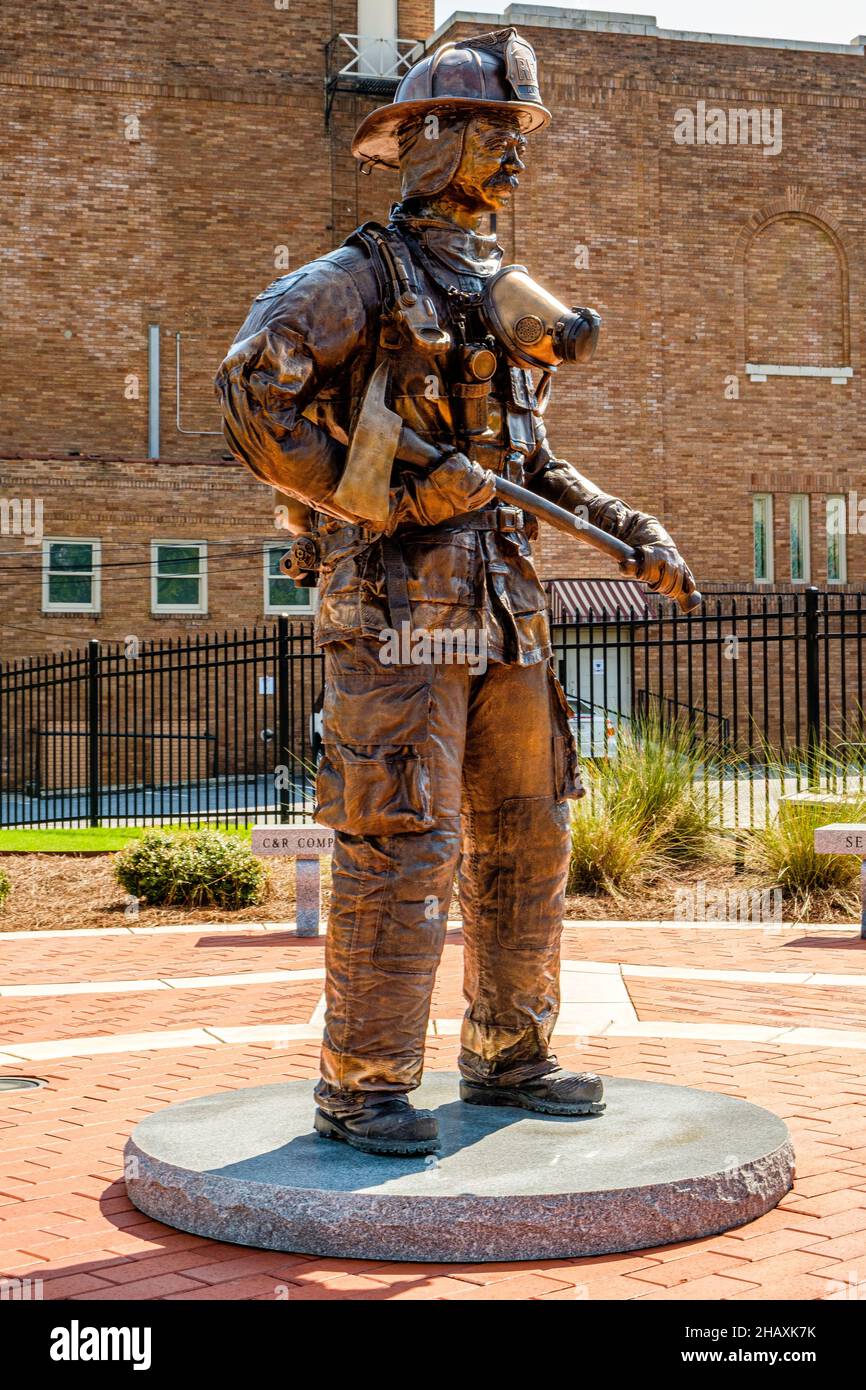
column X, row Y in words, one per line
column 51, row 891
column 657, row 900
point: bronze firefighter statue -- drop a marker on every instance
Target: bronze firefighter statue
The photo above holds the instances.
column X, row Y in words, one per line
column 382, row 389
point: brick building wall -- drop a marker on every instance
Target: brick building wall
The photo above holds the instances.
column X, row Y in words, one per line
column 127, row 506
column 699, row 256
column 163, row 163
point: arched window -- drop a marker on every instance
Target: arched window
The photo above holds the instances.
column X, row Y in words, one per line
column 793, row 284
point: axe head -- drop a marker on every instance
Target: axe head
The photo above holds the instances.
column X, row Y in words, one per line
column 363, row 490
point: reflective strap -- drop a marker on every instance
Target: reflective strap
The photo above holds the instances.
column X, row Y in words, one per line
column 396, row 584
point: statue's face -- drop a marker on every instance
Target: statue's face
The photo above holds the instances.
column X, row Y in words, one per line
column 488, row 171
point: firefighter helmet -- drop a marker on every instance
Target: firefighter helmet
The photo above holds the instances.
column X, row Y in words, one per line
column 490, row 72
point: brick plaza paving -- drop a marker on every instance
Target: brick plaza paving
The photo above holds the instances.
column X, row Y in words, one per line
column 122, row 1022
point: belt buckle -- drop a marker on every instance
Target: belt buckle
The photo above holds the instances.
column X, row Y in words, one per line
column 510, row 519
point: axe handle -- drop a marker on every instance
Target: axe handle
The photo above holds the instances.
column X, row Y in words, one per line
column 420, row 451
column 575, row 526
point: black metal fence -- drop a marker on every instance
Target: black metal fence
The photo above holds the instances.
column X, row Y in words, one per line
column 224, row 728
column 769, row 686
column 216, row 728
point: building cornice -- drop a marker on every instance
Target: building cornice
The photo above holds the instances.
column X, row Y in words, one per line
column 640, row 25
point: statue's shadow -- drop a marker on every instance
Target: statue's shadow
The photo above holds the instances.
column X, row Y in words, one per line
column 310, row 1161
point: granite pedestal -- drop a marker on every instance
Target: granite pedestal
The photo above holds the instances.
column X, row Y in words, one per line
column 661, row 1164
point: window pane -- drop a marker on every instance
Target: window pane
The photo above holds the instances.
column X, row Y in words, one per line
column 760, row 550
column 69, row 588
column 799, row 533
column 836, row 539
column 796, row 540
column 283, row 593
column 170, row 592
column 275, row 554
column 66, row 556
column 177, row 559
column 759, row 513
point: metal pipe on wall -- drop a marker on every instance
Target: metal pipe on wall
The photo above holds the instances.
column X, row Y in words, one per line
column 153, row 390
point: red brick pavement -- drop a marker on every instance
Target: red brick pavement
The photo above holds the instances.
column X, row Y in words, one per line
column 149, row 956
column 98, row 1015
column 784, row 948
column 696, row 1001
column 145, row 956
column 65, row 1217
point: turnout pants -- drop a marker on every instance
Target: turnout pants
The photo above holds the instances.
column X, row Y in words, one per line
column 424, row 766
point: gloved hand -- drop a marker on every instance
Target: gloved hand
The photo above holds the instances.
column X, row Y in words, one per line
column 663, row 570
column 454, row 486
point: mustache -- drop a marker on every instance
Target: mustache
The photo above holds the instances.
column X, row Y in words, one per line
column 503, row 178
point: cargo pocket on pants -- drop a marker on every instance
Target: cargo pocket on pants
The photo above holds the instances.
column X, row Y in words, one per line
column 374, row 775
column 366, row 791
column 533, row 852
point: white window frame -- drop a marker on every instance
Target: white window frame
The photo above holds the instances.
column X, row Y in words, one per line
column 95, row 605
column 766, row 500
column 800, row 502
column 271, row 609
column 841, row 535
column 759, row 371
column 155, row 606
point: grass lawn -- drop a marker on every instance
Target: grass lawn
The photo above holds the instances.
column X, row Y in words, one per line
column 83, row 840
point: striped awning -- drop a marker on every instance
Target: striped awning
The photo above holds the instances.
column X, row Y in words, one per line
column 597, row 600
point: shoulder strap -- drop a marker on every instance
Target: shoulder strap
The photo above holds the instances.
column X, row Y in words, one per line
column 391, row 274
column 407, row 312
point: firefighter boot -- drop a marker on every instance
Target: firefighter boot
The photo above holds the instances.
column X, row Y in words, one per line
column 558, row 1092
column 384, row 1124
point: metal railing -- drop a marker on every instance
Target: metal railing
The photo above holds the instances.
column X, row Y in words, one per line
column 366, row 57
column 770, row 684
column 359, row 63
column 224, row 727
column 661, row 709
column 213, row 728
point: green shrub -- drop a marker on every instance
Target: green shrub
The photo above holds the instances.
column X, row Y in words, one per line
column 5, row 886
column 653, row 784
column 645, row 808
column 609, row 849
column 200, row 868
column 783, row 851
